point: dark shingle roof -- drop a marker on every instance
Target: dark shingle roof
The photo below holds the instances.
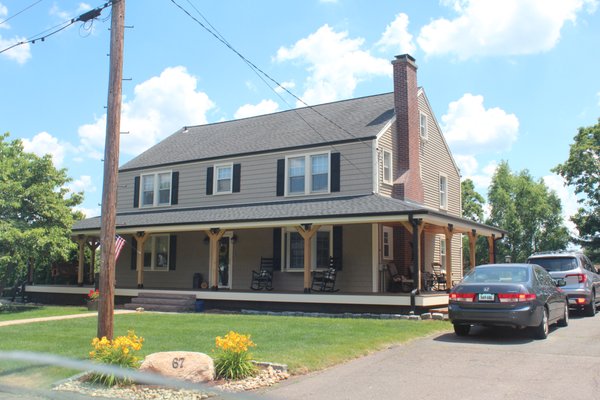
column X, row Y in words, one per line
column 313, row 209
column 360, row 118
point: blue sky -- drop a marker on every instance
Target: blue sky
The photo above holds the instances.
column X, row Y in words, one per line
column 507, row 79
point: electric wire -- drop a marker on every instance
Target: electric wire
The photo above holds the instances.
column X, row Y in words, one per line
column 20, row 12
column 262, row 75
column 42, row 36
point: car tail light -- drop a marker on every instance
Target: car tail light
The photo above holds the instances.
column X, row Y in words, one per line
column 580, row 300
column 466, row 297
column 515, row 297
column 580, row 277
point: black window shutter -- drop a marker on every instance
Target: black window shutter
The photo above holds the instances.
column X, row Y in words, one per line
column 175, row 187
column 277, row 249
column 136, row 192
column 335, row 172
column 172, row 252
column 337, row 246
column 237, row 170
column 209, row 180
column 133, row 253
column 280, row 177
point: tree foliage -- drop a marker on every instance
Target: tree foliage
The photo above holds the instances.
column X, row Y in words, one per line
column 582, row 171
column 529, row 211
column 472, row 202
column 36, row 212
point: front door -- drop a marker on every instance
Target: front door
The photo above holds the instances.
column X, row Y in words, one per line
column 225, row 261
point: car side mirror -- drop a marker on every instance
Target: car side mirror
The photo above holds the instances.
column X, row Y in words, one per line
column 560, row 282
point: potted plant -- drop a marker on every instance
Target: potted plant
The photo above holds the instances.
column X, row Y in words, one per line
column 92, row 300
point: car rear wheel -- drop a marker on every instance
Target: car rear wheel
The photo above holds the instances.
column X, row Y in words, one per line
column 541, row 331
column 590, row 309
column 565, row 319
column 461, row 329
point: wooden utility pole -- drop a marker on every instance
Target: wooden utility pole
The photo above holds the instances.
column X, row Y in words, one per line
column 106, row 306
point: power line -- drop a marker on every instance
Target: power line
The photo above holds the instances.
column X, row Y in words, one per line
column 262, row 74
column 85, row 17
column 22, row 11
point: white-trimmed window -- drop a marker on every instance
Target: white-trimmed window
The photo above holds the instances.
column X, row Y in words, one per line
column 387, row 166
column 321, row 249
column 156, row 253
column 388, row 243
column 443, row 253
column 223, row 178
column 423, row 125
column 443, row 192
column 307, row 174
column 156, row 189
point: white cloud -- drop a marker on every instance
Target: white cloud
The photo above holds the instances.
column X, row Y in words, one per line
column 469, row 169
column 3, row 14
column 44, row 143
column 20, row 53
column 291, row 85
column 250, row 110
column 470, row 128
column 396, row 37
column 83, row 184
column 500, row 27
column 89, row 212
column 160, row 106
column 336, row 64
column 567, row 198
column 66, row 15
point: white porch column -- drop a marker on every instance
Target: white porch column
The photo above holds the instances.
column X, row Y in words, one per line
column 214, row 234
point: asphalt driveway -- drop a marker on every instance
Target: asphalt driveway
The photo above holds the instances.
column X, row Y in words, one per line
column 486, row 365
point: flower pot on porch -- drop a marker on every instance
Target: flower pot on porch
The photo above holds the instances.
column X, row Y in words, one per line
column 92, row 305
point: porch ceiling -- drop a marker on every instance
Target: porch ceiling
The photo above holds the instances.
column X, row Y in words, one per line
column 372, row 208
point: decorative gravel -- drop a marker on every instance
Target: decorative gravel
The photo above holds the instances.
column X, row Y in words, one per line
column 266, row 377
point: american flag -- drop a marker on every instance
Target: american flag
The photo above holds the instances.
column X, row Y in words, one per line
column 119, row 243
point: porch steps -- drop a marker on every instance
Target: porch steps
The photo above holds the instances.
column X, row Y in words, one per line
column 165, row 302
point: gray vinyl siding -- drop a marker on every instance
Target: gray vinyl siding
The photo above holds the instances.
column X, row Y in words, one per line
column 435, row 160
column 386, row 142
column 258, row 178
column 456, row 254
column 192, row 257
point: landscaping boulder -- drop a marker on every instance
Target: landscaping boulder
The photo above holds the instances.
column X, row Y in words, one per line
column 186, row 365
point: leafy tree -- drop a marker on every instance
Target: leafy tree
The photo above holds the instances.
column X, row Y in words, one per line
column 582, row 171
column 472, row 208
column 36, row 213
column 529, row 211
column 472, row 202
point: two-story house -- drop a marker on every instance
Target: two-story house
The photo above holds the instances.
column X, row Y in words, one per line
column 368, row 181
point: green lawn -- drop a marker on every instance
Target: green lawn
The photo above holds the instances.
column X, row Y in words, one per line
column 304, row 344
column 27, row 311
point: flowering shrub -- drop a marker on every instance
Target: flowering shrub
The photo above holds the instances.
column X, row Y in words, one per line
column 233, row 360
column 93, row 295
column 120, row 352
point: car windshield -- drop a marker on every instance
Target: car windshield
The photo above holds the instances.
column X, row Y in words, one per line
column 554, row 264
column 498, row 275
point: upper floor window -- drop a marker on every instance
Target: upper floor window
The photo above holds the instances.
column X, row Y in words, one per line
column 443, row 192
column 387, row 166
column 308, row 174
column 423, row 125
column 156, row 189
column 223, row 178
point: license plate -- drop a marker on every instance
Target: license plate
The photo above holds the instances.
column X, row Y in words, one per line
column 486, row 297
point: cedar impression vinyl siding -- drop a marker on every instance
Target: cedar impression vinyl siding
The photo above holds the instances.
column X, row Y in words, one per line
column 258, row 178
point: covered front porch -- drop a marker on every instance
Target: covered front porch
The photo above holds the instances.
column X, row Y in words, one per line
column 213, row 252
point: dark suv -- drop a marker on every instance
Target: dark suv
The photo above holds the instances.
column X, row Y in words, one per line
column 581, row 277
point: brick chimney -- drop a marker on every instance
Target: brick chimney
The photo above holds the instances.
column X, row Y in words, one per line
column 407, row 183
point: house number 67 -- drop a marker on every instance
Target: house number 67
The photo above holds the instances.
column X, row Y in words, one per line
column 178, row 362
